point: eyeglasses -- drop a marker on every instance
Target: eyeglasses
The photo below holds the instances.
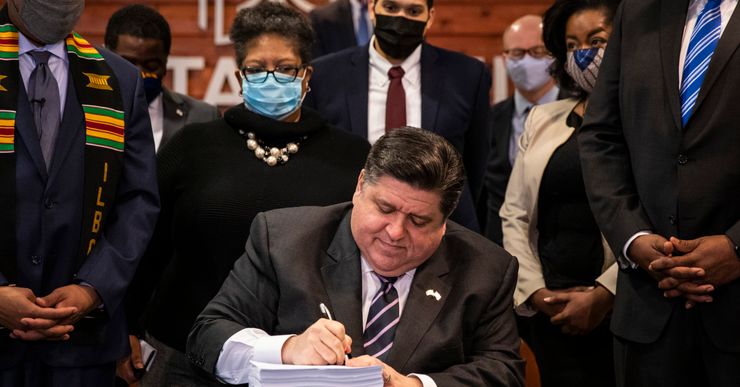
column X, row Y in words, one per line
column 282, row 74
column 536, row 52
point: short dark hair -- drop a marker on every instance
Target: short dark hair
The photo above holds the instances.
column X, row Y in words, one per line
column 430, row 3
column 421, row 159
column 553, row 34
column 138, row 20
column 271, row 18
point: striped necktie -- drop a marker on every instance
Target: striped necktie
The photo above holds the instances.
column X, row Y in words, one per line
column 701, row 47
column 382, row 319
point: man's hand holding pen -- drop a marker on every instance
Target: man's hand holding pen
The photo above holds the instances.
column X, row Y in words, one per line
column 324, row 342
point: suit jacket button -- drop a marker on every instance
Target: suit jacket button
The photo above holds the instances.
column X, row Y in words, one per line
column 48, row 203
column 672, row 219
column 682, row 159
column 36, row 259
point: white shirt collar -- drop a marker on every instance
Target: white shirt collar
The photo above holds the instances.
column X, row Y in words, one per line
column 410, row 65
column 366, row 268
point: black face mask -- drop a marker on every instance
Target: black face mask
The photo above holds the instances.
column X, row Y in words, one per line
column 398, row 36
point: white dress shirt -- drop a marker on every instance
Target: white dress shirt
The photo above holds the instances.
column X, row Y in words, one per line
column 255, row 344
column 726, row 8
column 378, row 91
column 156, row 115
column 58, row 64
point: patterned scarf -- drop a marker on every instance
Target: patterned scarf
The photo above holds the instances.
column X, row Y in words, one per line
column 98, row 93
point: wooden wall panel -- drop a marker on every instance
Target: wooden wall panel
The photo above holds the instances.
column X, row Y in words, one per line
column 470, row 26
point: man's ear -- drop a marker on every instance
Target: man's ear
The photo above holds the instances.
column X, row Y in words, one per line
column 430, row 21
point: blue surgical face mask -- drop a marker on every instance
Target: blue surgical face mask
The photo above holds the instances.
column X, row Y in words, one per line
column 271, row 98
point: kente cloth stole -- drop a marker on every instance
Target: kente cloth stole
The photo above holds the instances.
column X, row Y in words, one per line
column 98, row 93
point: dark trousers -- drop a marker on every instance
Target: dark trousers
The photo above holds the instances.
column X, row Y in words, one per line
column 682, row 357
column 566, row 360
column 33, row 373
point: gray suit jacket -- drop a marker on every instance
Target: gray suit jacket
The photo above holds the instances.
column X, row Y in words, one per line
column 180, row 110
column 467, row 338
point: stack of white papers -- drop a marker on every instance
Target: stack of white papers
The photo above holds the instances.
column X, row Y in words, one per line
column 279, row 375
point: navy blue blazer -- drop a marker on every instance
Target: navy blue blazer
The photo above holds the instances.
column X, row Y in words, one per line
column 49, row 221
column 333, row 28
column 454, row 92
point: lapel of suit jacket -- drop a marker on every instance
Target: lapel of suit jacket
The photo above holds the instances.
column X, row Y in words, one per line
column 174, row 113
column 726, row 47
column 357, row 92
column 72, row 122
column 27, row 132
column 420, row 309
column 673, row 20
column 343, row 283
column 431, row 74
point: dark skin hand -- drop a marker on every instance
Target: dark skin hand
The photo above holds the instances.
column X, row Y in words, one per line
column 582, row 311
column 537, row 299
column 714, row 256
column 18, row 308
column 82, row 299
column 646, row 249
column 125, row 366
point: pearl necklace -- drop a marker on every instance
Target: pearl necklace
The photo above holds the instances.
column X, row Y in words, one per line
column 272, row 156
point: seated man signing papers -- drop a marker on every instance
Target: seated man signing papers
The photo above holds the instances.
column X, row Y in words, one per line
column 421, row 296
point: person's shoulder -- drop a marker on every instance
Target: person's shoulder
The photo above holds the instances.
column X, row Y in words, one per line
column 475, row 253
column 503, row 106
column 195, row 105
column 553, row 111
column 296, row 223
column 339, row 58
column 456, row 58
column 122, row 67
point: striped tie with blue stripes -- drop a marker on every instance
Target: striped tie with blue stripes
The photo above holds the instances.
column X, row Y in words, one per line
column 382, row 319
column 701, row 47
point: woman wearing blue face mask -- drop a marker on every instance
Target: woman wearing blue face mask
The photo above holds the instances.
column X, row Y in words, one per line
column 265, row 153
column 567, row 274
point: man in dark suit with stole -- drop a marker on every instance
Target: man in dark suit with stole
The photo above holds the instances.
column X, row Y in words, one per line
column 658, row 149
column 427, row 299
column 340, row 24
column 142, row 36
column 79, row 195
column 398, row 80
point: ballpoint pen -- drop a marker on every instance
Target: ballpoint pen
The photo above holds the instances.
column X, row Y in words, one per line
column 327, row 314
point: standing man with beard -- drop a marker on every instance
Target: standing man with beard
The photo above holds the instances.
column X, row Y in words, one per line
column 527, row 62
column 398, row 79
column 79, row 197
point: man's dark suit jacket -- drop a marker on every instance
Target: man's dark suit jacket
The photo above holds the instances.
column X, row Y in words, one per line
column 49, row 221
column 644, row 171
column 454, row 104
column 180, row 110
column 498, row 169
column 467, row 338
column 333, row 26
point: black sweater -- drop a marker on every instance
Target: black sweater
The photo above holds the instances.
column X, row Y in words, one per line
column 211, row 189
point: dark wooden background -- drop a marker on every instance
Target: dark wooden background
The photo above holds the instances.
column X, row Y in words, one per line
column 471, row 26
